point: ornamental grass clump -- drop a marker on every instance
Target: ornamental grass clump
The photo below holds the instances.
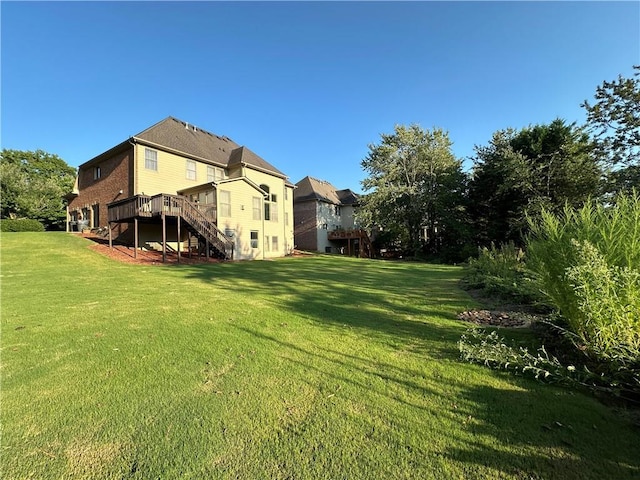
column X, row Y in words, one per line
column 587, row 262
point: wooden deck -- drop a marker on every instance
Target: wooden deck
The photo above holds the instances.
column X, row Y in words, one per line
column 145, row 206
column 151, row 209
column 365, row 249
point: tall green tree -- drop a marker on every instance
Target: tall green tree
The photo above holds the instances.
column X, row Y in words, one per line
column 523, row 172
column 416, row 188
column 614, row 121
column 33, row 185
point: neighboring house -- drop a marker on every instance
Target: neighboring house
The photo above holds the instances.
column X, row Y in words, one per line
column 324, row 219
column 180, row 187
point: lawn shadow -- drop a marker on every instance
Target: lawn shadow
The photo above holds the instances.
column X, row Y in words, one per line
column 400, row 303
column 558, row 436
column 341, row 366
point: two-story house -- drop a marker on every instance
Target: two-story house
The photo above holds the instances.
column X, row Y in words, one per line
column 324, row 219
column 177, row 186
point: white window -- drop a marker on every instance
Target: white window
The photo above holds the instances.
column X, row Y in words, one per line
column 215, row 174
column 225, row 203
column 254, row 239
column 256, row 208
column 286, row 193
column 191, row 170
column 97, row 173
column 266, row 243
column 337, row 210
column 286, row 218
column 150, row 159
column 274, row 244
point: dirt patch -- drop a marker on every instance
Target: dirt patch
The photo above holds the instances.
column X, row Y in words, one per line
column 498, row 318
column 498, row 313
column 127, row 254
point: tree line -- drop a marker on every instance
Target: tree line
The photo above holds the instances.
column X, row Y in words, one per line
column 420, row 202
column 417, row 197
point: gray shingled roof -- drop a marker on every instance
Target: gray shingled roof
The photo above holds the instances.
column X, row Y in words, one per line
column 310, row 188
column 184, row 137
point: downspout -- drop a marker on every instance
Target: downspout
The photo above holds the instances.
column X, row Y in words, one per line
column 135, row 167
column 264, row 246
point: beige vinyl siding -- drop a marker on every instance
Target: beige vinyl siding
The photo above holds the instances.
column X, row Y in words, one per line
column 241, row 220
column 284, row 205
column 170, row 175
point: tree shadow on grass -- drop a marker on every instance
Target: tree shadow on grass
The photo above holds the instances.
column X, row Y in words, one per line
column 545, row 433
column 340, row 367
column 398, row 303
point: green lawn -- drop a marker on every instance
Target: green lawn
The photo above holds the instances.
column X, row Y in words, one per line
column 302, row 368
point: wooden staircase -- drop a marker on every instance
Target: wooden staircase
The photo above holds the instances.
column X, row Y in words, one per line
column 208, row 233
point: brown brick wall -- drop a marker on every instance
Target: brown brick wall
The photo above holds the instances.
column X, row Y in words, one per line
column 305, row 226
column 116, row 173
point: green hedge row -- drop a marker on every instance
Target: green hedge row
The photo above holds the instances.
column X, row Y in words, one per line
column 20, row 225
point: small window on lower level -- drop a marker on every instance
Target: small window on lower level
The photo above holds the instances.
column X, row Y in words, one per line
column 254, row 239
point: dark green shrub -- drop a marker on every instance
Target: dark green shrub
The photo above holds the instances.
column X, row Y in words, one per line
column 502, row 272
column 20, row 225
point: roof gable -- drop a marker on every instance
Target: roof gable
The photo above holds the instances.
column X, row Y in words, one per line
column 182, row 137
column 310, row 188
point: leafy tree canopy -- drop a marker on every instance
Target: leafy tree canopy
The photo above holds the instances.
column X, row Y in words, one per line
column 414, row 180
column 33, row 185
column 519, row 172
column 614, row 120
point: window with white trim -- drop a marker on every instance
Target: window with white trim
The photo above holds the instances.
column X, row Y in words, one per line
column 225, row 203
column 274, row 244
column 257, row 208
column 97, row 173
column 191, row 170
column 254, row 239
column 215, row 174
column 150, row 159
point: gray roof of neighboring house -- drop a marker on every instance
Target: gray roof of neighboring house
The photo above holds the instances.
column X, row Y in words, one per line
column 184, row 137
column 310, row 188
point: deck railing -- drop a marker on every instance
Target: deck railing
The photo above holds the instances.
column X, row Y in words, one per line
column 138, row 206
column 202, row 220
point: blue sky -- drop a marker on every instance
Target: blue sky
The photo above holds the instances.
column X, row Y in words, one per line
column 306, row 85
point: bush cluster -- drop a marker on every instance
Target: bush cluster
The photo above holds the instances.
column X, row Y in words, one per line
column 20, row 225
column 587, row 263
column 502, row 272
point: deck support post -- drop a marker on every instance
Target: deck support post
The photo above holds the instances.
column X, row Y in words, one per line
column 164, row 238
column 110, row 238
column 179, row 242
column 135, row 237
column 207, row 247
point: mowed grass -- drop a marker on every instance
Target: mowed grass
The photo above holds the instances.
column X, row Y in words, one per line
column 303, row 368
